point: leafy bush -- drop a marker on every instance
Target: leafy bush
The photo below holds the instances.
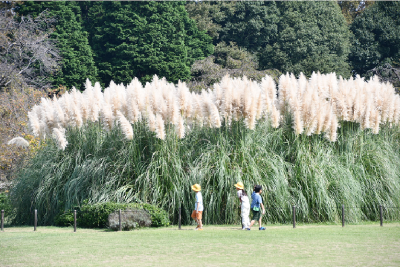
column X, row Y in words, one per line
column 130, row 219
column 96, row 215
column 64, row 219
column 5, row 203
column 159, row 217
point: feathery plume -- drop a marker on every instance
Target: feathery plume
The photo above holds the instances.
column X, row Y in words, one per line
column 160, row 127
column 125, row 126
column 59, row 136
column 18, row 141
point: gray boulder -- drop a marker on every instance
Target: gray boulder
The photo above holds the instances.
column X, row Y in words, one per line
column 130, row 219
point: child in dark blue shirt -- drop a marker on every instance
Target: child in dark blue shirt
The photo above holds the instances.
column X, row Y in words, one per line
column 255, row 207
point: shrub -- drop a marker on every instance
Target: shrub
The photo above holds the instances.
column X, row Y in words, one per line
column 130, row 219
column 64, row 219
column 5, row 204
column 159, row 217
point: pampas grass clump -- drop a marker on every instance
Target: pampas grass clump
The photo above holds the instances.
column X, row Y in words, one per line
column 315, row 143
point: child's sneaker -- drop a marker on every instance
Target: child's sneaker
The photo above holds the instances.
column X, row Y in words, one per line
column 261, row 228
column 248, row 229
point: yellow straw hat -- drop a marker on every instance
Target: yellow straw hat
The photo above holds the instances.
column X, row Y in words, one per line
column 196, row 187
column 239, row 185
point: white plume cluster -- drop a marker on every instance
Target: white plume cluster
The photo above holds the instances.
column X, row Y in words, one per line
column 316, row 105
column 18, row 141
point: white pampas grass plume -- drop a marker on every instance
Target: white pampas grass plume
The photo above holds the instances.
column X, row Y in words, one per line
column 125, row 126
column 134, row 114
column 76, row 114
column 260, row 104
column 252, row 115
column 333, row 129
column 59, row 113
column 18, row 141
column 151, row 120
column 180, row 128
column 34, row 122
column 283, row 91
column 376, row 120
column 59, row 136
column 48, row 113
column 321, row 113
column 107, row 117
column 160, row 131
column 65, row 103
column 212, row 110
column 226, row 85
column 184, row 98
column 275, row 117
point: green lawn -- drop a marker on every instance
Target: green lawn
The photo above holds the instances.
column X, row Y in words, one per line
column 308, row 245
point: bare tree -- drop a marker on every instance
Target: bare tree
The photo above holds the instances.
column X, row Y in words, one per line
column 27, row 55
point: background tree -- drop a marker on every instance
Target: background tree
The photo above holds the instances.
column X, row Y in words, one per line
column 140, row 39
column 72, row 41
column 209, row 15
column 288, row 36
column 227, row 59
column 251, row 25
column 27, row 55
column 376, row 37
column 311, row 36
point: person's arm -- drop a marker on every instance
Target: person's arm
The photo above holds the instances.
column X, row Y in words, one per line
column 262, row 206
column 198, row 204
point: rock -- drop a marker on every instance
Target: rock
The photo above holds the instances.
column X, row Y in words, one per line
column 130, row 219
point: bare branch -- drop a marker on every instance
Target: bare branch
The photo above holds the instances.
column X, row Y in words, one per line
column 27, row 53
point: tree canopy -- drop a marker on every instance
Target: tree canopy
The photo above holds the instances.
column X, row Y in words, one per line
column 140, row 39
column 72, row 41
column 311, row 36
column 376, row 37
column 288, row 36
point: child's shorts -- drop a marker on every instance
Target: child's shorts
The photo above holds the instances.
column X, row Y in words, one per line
column 199, row 215
column 256, row 215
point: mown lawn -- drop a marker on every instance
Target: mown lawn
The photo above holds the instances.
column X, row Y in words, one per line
column 308, row 245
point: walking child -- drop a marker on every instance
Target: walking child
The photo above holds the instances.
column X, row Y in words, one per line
column 244, row 205
column 255, row 207
column 198, row 207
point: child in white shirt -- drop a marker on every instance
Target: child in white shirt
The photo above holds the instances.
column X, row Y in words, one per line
column 244, row 205
column 197, row 213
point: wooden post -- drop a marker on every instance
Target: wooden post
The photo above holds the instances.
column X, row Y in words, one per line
column 120, row 221
column 294, row 216
column 180, row 218
column 381, row 214
column 74, row 221
column 2, row 220
column 35, row 221
column 342, row 215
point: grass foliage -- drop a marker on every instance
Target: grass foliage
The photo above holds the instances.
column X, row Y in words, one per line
column 359, row 170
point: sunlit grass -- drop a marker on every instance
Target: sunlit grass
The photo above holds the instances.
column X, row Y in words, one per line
column 308, row 245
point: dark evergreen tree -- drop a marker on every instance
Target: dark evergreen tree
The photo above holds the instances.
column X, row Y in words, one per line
column 376, row 37
column 140, row 39
column 252, row 25
column 292, row 36
column 77, row 56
